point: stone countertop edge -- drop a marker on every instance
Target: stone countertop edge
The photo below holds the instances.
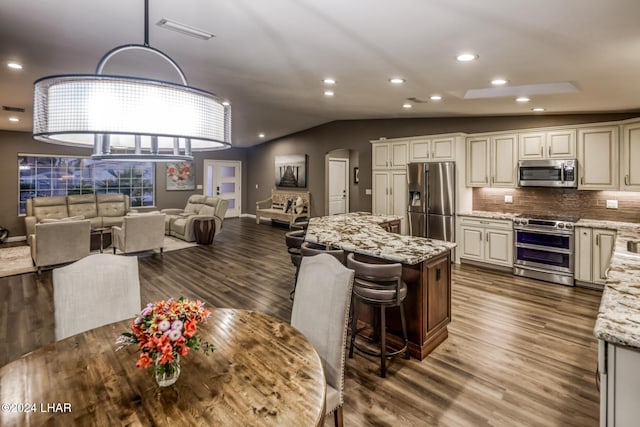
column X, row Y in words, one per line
column 489, row 215
column 360, row 233
column 618, row 320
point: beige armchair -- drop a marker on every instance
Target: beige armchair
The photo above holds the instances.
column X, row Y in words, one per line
column 179, row 223
column 60, row 242
column 141, row 232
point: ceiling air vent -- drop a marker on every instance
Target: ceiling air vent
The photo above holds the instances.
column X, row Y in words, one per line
column 13, row 109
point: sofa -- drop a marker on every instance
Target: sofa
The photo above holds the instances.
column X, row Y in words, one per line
column 102, row 210
column 179, row 222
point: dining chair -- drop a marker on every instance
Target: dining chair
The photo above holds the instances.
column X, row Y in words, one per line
column 321, row 312
column 94, row 291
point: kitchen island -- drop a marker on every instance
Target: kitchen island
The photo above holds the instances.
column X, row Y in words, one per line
column 426, row 269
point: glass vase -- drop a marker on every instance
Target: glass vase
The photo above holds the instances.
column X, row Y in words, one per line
column 167, row 373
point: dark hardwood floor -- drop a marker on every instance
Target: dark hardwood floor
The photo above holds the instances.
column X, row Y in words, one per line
column 519, row 352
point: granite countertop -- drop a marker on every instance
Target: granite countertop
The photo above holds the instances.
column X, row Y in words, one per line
column 618, row 319
column 490, row 215
column 359, row 232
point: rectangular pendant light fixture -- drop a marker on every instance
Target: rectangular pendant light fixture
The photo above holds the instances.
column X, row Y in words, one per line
column 184, row 29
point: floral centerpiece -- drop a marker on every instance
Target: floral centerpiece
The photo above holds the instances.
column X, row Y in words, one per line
column 164, row 331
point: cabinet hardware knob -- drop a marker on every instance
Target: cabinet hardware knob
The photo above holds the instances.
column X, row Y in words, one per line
column 541, row 152
column 597, row 239
column 549, row 151
column 626, row 180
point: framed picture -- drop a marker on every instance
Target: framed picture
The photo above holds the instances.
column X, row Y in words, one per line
column 291, row 171
column 356, row 178
column 180, row 176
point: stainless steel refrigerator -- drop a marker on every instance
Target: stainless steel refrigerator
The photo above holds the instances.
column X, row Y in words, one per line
column 432, row 200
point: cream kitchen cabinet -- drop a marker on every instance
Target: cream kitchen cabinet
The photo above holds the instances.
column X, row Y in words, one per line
column 557, row 144
column 487, row 241
column 491, row 161
column 630, row 176
column 619, row 375
column 390, row 194
column 432, row 149
column 389, row 155
column 598, row 158
column 593, row 249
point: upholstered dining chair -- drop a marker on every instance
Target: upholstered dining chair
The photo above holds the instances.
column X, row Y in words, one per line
column 94, row 291
column 321, row 312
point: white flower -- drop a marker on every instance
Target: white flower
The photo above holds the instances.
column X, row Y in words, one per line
column 174, row 334
column 138, row 320
column 164, row 325
column 177, row 324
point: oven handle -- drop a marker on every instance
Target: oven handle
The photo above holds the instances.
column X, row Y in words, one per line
column 555, row 232
column 545, row 248
column 562, row 171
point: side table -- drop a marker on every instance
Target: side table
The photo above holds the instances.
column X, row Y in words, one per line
column 204, row 228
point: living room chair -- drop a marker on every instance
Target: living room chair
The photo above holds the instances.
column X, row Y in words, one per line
column 95, row 291
column 59, row 242
column 140, row 232
column 321, row 312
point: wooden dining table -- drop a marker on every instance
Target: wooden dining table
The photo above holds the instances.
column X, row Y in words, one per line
column 263, row 372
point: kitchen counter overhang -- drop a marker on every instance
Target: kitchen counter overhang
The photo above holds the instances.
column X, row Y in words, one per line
column 426, row 271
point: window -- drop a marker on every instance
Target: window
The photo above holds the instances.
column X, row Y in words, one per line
column 41, row 176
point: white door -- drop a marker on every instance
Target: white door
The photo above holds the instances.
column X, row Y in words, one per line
column 338, row 186
column 224, row 178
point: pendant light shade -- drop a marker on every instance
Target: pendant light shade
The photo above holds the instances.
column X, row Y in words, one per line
column 130, row 118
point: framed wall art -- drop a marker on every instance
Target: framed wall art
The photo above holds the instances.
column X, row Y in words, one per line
column 291, row 171
column 180, row 176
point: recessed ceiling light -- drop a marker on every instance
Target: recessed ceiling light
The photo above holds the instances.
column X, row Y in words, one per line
column 522, row 99
column 329, row 81
column 184, row 29
column 396, row 80
column 407, row 105
column 261, row 135
column 226, row 103
column 14, row 65
column 14, row 119
column 328, row 93
column 466, row 57
column 538, row 109
column 499, row 82
column 435, row 97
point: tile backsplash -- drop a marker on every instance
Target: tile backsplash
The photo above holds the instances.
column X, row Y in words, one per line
column 551, row 201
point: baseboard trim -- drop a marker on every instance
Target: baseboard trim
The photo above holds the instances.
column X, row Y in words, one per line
column 247, row 215
column 16, row 239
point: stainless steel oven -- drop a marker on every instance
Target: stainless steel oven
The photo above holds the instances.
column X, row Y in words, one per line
column 544, row 249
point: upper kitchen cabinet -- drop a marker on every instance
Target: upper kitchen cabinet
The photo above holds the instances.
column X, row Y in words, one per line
column 558, row 144
column 598, row 158
column 491, row 161
column 389, row 155
column 630, row 177
column 432, row 150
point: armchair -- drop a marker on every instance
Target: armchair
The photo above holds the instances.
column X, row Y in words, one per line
column 179, row 223
column 60, row 242
column 142, row 232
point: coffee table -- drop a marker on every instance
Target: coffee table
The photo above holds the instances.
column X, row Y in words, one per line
column 100, row 238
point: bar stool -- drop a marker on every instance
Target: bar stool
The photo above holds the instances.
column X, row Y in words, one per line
column 294, row 240
column 311, row 249
column 379, row 285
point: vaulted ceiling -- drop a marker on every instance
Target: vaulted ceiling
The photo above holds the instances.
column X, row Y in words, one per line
column 269, row 58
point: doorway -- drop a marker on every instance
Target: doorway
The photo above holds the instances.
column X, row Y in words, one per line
column 223, row 178
column 338, row 186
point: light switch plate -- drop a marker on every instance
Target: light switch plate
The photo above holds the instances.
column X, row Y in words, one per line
column 612, row 204
column 508, row 198
column 199, row 187
column 367, row 192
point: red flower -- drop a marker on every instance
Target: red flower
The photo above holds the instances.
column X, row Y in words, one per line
column 190, row 328
column 144, row 361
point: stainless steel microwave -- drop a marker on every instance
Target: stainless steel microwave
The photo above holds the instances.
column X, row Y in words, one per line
column 548, row 173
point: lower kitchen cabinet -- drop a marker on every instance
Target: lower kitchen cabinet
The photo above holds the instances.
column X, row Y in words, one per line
column 619, row 374
column 594, row 247
column 486, row 240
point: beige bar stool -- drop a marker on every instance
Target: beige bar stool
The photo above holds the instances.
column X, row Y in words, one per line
column 378, row 285
column 294, row 240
